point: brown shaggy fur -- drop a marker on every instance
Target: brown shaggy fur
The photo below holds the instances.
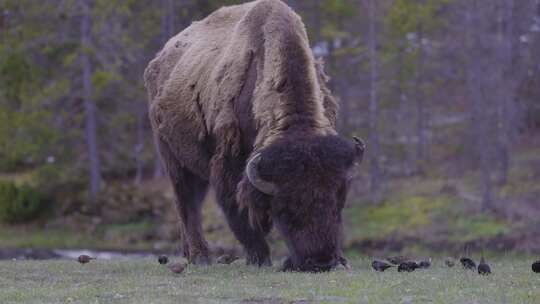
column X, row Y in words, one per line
column 239, row 81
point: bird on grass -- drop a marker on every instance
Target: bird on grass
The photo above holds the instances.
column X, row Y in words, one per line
column 408, row 266
column 536, row 267
column 450, row 262
column 424, row 264
column 83, row 258
column 163, row 259
column 468, row 263
column 381, row 266
column 483, row 267
column 226, row 259
column 343, row 262
column 177, row 267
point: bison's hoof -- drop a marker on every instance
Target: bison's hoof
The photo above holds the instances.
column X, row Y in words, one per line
column 258, row 260
column 287, row 265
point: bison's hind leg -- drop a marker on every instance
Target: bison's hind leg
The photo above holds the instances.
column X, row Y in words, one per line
column 190, row 191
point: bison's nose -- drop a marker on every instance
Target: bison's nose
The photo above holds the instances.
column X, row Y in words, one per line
column 320, row 264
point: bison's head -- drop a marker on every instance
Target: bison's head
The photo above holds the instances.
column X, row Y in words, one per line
column 305, row 183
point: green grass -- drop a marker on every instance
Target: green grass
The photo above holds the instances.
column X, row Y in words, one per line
column 35, row 237
column 391, row 217
column 467, row 229
column 144, row 281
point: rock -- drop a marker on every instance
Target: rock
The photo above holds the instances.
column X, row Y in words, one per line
column 177, row 267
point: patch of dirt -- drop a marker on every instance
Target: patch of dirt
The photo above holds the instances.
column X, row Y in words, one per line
column 523, row 242
column 273, row 301
column 263, row 301
column 27, row 254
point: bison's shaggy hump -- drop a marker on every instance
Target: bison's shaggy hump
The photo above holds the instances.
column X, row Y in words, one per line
column 201, row 73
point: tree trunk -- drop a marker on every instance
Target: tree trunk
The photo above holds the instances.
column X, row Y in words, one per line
column 481, row 118
column 404, row 120
column 139, row 145
column 375, row 174
column 89, row 105
column 419, row 96
column 509, row 82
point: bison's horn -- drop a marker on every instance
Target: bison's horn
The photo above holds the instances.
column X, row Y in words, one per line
column 254, row 178
column 360, row 148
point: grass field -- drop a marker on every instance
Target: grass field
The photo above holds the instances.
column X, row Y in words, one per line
column 145, row 281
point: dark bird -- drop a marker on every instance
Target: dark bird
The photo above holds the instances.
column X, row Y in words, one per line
column 536, row 267
column 396, row 260
column 450, row 262
column 163, row 259
column 83, row 259
column 343, row 261
column 483, row 267
column 408, row 266
column 226, row 259
column 468, row 263
column 177, row 267
column 424, row 264
column 381, row 266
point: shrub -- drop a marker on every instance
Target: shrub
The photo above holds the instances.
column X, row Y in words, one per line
column 19, row 204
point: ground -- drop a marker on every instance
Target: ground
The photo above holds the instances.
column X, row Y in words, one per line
column 145, row 281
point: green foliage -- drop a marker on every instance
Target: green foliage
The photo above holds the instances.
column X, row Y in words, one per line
column 54, row 179
column 341, row 8
column 469, row 228
column 101, row 79
column 24, row 137
column 406, row 16
column 8, row 195
column 15, row 73
column 335, row 12
column 19, row 204
column 26, row 132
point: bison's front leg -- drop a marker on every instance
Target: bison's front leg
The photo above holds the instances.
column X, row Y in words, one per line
column 226, row 175
column 252, row 239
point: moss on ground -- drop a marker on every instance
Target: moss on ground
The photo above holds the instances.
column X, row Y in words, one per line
column 401, row 217
column 144, row 281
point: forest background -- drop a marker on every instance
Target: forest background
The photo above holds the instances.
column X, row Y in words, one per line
column 446, row 94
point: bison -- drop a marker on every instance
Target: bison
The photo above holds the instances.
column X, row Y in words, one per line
column 237, row 101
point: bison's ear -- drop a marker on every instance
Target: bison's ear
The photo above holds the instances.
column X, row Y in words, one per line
column 256, row 203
